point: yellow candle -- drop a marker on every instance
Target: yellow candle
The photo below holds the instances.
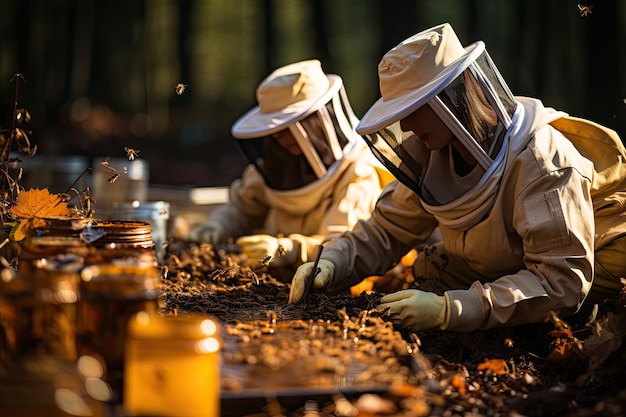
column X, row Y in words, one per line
column 172, row 366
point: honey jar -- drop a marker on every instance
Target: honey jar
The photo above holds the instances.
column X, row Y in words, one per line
column 110, row 294
column 39, row 366
column 172, row 366
column 38, row 305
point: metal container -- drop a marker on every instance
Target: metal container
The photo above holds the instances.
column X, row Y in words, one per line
column 100, row 232
column 154, row 212
column 172, row 366
column 56, row 172
column 130, row 185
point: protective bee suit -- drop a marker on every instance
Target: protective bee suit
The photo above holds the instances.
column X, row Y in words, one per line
column 518, row 233
column 298, row 195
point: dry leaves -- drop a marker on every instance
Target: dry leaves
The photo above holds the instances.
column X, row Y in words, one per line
column 497, row 366
column 607, row 337
column 33, row 206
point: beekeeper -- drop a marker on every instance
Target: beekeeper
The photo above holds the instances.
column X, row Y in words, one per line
column 310, row 177
column 529, row 201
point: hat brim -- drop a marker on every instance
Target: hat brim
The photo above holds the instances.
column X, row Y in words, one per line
column 255, row 124
column 384, row 113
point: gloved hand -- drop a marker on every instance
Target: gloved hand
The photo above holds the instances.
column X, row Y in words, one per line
column 210, row 232
column 416, row 310
column 322, row 279
column 258, row 247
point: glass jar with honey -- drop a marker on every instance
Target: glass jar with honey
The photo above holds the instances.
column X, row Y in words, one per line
column 172, row 365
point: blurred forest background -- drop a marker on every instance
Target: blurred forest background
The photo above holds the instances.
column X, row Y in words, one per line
column 102, row 75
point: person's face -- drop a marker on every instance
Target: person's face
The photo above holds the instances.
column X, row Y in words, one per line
column 287, row 141
column 429, row 127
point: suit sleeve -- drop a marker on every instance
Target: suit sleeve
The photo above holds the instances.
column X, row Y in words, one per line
column 398, row 224
column 555, row 218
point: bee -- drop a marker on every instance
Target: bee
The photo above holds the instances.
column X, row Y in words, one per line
column 508, row 342
column 87, row 210
column 585, row 10
column 180, row 88
column 266, row 261
column 113, row 178
column 164, row 271
column 281, row 250
column 131, row 153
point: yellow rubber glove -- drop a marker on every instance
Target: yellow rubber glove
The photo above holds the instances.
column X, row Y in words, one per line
column 322, row 279
column 210, row 232
column 416, row 310
column 283, row 251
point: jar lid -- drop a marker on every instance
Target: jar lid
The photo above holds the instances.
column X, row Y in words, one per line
column 189, row 326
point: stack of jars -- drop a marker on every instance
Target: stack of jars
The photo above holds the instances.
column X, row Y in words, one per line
column 64, row 314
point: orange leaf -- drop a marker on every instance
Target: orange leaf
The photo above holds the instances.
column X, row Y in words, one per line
column 497, row 366
column 36, row 203
column 458, row 382
column 21, row 230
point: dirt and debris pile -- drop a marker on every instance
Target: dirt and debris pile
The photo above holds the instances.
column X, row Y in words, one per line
column 338, row 357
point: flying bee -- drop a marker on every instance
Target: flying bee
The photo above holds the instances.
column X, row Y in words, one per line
column 180, row 88
column 585, row 10
column 113, row 178
column 131, row 153
column 266, row 261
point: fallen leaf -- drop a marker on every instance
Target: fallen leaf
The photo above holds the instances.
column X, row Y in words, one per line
column 458, row 382
column 34, row 205
column 497, row 366
column 607, row 337
column 39, row 203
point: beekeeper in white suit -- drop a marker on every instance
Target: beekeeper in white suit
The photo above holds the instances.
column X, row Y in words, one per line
column 311, row 176
column 529, row 201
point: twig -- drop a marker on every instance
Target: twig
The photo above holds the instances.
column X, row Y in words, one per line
column 311, row 278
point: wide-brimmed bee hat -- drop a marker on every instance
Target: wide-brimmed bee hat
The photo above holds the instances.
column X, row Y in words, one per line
column 415, row 70
column 287, row 95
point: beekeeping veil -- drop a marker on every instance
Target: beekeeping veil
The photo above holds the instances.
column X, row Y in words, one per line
column 466, row 91
column 314, row 107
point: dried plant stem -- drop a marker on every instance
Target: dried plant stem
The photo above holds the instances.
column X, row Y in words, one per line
column 311, row 278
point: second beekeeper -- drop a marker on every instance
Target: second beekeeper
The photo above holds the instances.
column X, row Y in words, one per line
column 310, row 175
